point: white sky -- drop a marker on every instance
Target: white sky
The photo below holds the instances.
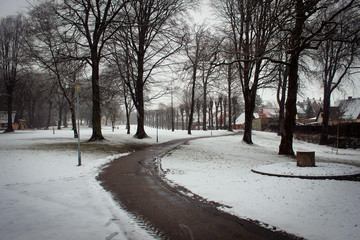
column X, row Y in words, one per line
column 204, row 15
column 11, row 7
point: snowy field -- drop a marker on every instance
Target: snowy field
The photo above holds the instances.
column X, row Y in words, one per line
column 44, row 195
column 219, row 169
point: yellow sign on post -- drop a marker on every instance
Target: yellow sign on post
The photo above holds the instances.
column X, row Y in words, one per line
column 256, row 124
column 77, row 87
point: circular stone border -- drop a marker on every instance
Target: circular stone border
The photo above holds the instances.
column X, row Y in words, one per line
column 322, row 170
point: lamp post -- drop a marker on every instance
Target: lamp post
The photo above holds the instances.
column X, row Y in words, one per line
column 77, row 90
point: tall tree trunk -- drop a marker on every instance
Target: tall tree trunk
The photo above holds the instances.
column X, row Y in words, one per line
column 59, row 116
column 65, row 118
column 73, row 120
column 182, row 119
column 221, row 112
column 281, row 94
column 249, row 113
column 140, row 131
column 250, row 100
column 216, row 115
column 229, row 97
column 127, row 112
column 96, row 113
column 198, row 114
column 9, row 110
column 224, row 115
column 49, row 115
column 234, row 103
column 192, row 105
column 325, row 118
column 204, row 107
column 210, row 114
column 286, row 144
column 177, row 120
column 139, row 91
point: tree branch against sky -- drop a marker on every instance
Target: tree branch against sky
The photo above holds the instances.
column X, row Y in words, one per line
column 308, row 30
column 148, row 38
column 48, row 45
column 94, row 24
column 251, row 27
column 336, row 57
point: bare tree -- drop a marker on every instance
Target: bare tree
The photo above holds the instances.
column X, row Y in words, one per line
column 251, row 30
column 120, row 58
column 230, row 99
column 11, row 37
column 282, row 71
column 48, row 45
column 230, row 79
column 93, row 23
column 336, row 56
column 32, row 98
column 197, row 51
column 210, row 72
column 149, row 38
column 307, row 29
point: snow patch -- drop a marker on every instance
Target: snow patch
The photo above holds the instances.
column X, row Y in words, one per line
column 320, row 170
column 219, row 170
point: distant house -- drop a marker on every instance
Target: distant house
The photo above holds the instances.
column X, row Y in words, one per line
column 20, row 124
column 269, row 115
column 240, row 122
column 350, row 109
column 308, row 109
column 4, row 119
column 346, row 111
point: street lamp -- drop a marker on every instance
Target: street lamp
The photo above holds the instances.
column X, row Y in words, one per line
column 77, row 90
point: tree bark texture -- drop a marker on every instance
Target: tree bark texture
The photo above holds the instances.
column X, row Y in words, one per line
column 286, row 144
column 325, row 119
column 96, row 113
column 204, row 107
column 229, row 98
column 192, row 105
column 9, row 111
column 73, row 120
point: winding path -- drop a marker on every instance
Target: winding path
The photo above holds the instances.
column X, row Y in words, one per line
column 133, row 181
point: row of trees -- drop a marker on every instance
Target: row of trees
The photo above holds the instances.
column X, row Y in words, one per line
column 270, row 39
column 72, row 38
column 269, row 44
column 219, row 114
column 125, row 47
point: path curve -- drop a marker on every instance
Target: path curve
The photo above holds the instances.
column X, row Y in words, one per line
column 172, row 215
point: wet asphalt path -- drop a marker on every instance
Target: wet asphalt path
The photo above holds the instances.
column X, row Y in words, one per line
column 134, row 182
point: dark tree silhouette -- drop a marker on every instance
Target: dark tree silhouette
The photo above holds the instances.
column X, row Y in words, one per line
column 11, row 37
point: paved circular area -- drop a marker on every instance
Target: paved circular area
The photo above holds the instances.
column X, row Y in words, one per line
column 320, row 171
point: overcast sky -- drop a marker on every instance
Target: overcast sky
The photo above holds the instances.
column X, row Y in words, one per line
column 11, row 7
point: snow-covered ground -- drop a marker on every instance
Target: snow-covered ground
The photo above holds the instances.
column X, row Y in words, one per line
column 219, row 169
column 44, row 195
